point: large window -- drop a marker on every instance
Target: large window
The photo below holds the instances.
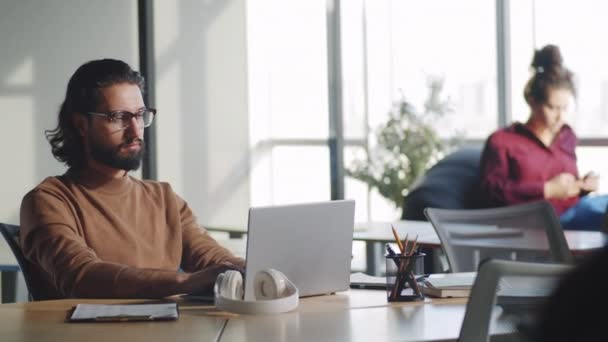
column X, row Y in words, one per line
column 579, row 29
column 393, row 48
column 288, row 96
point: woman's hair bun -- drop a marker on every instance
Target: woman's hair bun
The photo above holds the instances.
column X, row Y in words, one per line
column 547, row 59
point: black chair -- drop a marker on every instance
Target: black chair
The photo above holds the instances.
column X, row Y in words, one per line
column 452, row 183
column 11, row 235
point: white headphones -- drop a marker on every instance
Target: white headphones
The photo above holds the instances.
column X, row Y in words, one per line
column 274, row 293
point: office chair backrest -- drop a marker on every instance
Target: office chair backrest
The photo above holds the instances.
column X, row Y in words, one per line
column 34, row 284
column 452, row 183
column 538, row 282
column 525, row 232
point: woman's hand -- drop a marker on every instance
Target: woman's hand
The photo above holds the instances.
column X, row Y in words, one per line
column 590, row 182
column 562, row 186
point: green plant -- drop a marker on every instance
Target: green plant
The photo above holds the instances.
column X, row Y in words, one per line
column 407, row 145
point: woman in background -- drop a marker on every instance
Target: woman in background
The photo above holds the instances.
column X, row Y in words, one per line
column 536, row 160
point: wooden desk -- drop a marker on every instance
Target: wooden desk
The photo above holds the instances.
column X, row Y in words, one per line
column 44, row 321
column 354, row 315
column 239, row 232
column 580, row 242
column 378, row 233
column 394, row 323
column 375, row 234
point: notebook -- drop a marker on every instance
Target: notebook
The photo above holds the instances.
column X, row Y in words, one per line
column 310, row 243
column 445, row 285
column 361, row 280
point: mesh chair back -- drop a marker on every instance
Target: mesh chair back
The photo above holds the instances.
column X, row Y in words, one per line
column 482, row 317
column 526, row 232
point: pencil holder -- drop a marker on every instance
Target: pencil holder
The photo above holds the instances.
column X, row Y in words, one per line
column 401, row 284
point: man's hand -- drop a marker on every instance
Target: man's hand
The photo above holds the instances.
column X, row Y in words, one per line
column 590, row 182
column 202, row 281
column 562, row 186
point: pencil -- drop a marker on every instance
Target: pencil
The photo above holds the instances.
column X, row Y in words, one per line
column 400, row 271
column 405, row 243
column 402, row 275
column 413, row 246
column 397, row 239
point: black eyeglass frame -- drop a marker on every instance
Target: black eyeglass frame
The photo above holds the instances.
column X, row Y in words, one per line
column 120, row 114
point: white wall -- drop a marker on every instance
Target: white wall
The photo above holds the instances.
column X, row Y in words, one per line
column 202, row 123
column 202, row 92
column 41, row 45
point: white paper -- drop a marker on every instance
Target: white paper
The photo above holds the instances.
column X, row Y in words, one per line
column 153, row 311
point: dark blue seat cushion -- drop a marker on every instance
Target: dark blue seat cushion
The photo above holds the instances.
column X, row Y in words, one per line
column 452, row 183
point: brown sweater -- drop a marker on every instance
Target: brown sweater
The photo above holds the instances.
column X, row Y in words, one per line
column 92, row 236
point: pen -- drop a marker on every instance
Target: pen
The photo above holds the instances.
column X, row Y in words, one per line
column 390, row 250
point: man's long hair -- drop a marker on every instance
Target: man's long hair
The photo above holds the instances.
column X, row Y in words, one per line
column 82, row 96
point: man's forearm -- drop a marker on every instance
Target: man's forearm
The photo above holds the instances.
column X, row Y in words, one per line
column 105, row 281
column 131, row 282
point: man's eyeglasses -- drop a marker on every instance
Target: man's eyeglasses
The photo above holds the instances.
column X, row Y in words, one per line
column 122, row 119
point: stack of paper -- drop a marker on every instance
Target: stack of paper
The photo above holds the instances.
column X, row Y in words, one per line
column 449, row 284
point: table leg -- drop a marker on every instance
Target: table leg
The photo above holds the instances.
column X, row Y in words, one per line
column 372, row 251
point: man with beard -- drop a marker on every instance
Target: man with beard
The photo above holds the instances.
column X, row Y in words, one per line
column 98, row 232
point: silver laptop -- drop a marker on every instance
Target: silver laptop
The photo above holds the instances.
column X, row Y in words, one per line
column 310, row 243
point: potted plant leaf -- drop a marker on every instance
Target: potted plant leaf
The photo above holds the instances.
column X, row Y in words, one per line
column 406, row 146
